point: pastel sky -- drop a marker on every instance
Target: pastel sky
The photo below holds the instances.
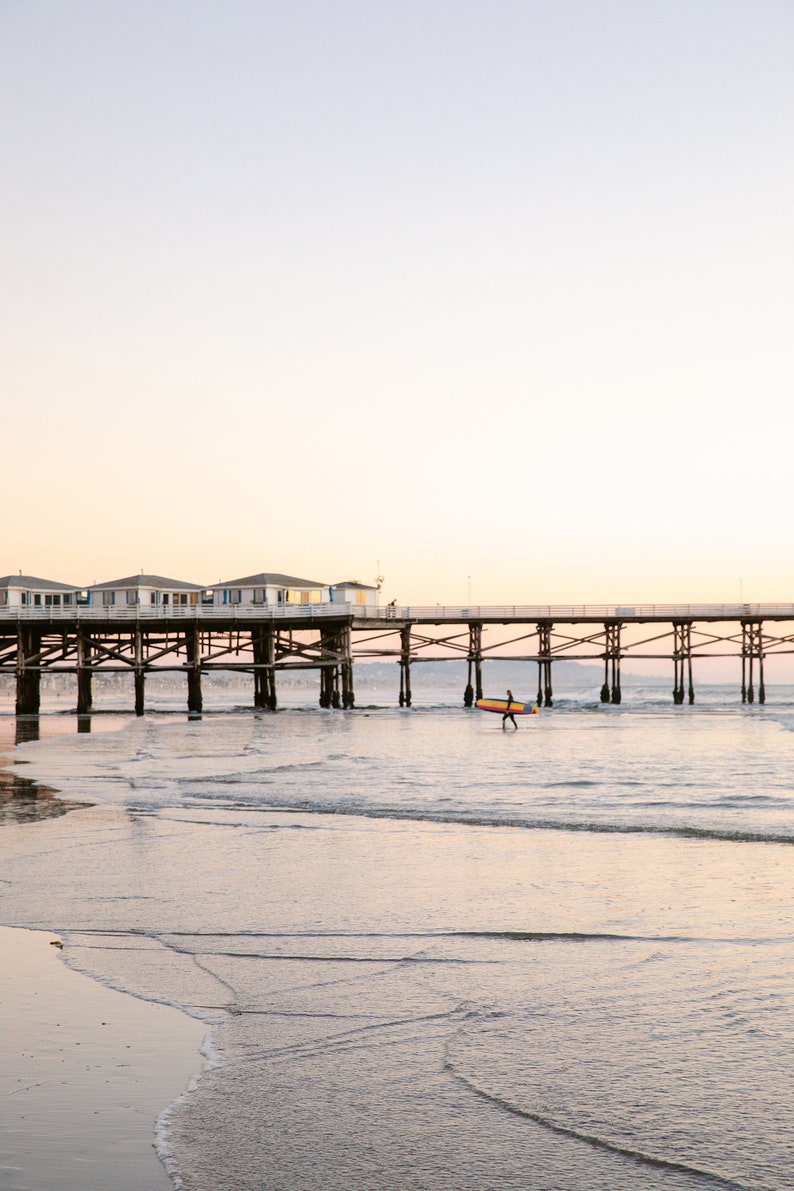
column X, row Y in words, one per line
column 497, row 295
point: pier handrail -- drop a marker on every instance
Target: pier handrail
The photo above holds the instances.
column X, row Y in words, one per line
column 102, row 614
column 573, row 612
column 427, row 614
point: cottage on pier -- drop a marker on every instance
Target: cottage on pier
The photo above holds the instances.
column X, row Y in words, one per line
column 25, row 591
column 148, row 591
column 267, row 588
column 353, row 592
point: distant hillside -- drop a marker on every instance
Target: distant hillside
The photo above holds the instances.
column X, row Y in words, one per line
column 496, row 674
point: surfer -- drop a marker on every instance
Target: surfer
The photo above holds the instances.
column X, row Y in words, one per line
column 508, row 715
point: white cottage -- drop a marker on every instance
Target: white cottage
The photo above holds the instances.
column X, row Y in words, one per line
column 353, row 592
column 270, row 588
column 26, row 591
column 145, row 591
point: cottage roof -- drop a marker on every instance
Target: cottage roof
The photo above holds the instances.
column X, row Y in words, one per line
column 355, row 583
column 136, row 581
column 31, row 582
column 269, row 579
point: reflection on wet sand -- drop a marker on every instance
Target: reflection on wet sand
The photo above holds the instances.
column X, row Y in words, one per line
column 22, row 800
column 26, row 728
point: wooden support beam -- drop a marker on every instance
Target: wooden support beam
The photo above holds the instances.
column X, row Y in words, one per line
column 263, row 647
column 28, row 700
column 193, row 650
column 336, row 699
column 326, row 675
column 84, row 674
column 682, row 657
column 545, row 698
column 271, row 700
column 405, row 666
column 139, row 679
column 752, row 650
column 346, row 651
column 474, row 659
column 610, row 691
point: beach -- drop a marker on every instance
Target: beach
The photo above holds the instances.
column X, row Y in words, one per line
column 86, row 1072
column 434, row 955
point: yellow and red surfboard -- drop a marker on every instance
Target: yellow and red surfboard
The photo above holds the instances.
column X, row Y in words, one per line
column 501, row 706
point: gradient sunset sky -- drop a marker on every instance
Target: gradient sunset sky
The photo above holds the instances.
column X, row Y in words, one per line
column 499, row 295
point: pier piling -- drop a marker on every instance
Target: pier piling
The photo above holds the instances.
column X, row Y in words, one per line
column 139, row 676
column 405, row 666
column 752, row 650
column 346, row 667
column 610, row 691
column 545, row 698
column 193, row 650
column 84, row 685
column 28, row 701
column 263, row 648
column 682, row 658
column 474, row 661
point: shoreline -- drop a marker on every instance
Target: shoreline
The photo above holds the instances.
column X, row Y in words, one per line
column 90, row 1075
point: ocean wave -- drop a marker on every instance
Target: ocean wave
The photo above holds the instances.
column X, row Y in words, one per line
column 656, row 1161
column 481, row 819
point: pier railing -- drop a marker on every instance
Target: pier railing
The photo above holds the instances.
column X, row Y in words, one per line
column 103, row 614
column 426, row 614
column 568, row 613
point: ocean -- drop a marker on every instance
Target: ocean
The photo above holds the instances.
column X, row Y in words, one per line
column 433, row 954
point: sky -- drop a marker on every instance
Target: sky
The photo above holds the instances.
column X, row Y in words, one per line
column 493, row 299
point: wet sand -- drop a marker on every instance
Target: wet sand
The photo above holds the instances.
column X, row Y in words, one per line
column 86, row 1073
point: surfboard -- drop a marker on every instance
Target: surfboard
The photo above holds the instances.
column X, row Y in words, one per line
column 500, row 706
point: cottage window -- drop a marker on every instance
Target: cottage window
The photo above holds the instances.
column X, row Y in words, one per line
column 37, row 600
column 67, row 597
column 154, row 597
column 108, row 598
column 132, row 597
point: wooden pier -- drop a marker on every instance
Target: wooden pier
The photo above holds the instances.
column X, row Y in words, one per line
column 264, row 641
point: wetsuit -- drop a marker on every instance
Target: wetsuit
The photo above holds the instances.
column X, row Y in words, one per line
column 508, row 715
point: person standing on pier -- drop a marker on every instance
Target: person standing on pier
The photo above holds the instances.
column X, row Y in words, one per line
column 508, row 715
